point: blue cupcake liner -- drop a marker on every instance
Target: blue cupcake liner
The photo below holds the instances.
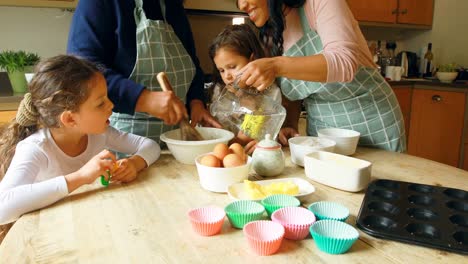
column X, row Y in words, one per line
column 325, row 210
column 333, row 237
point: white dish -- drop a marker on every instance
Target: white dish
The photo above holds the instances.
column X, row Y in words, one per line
column 338, row 171
column 346, row 139
column 186, row 151
column 219, row 179
column 237, row 192
column 300, row 146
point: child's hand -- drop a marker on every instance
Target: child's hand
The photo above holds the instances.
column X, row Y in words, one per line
column 94, row 168
column 126, row 171
column 97, row 166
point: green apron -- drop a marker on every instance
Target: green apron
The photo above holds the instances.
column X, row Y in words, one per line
column 366, row 104
column 158, row 49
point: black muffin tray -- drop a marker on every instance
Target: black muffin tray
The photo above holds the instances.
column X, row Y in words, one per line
column 424, row 215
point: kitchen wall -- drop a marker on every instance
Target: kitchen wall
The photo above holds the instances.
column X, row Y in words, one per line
column 448, row 34
column 40, row 30
column 45, row 31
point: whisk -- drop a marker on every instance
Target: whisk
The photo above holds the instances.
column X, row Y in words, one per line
column 187, row 132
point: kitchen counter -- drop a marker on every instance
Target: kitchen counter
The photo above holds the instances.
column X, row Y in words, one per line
column 146, row 221
column 422, row 83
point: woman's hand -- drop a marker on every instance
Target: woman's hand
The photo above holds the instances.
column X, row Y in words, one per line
column 260, row 73
column 94, row 168
column 287, row 133
column 200, row 115
column 163, row 105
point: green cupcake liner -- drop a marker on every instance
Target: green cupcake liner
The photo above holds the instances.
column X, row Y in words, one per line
column 242, row 212
column 325, row 210
column 277, row 201
column 333, row 236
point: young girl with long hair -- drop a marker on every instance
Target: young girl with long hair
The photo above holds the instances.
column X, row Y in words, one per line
column 61, row 139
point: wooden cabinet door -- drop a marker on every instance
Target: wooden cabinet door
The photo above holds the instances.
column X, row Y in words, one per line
column 436, row 125
column 6, row 116
column 418, row 12
column 403, row 94
column 374, row 11
column 40, row 3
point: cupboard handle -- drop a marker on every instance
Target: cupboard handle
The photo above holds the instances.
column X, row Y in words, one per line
column 404, row 11
column 395, row 11
column 436, row 98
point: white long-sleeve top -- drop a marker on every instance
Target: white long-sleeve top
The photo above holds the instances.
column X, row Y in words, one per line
column 35, row 178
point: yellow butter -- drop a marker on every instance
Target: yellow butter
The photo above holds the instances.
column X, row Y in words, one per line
column 256, row 191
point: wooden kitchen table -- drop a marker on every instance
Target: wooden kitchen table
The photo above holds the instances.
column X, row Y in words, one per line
column 146, row 221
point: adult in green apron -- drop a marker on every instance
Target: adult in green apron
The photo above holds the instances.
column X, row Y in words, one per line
column 363, row 101
column 158, row 49
column 135, row 40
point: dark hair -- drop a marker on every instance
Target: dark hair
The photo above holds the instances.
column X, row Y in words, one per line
column 272, row 32
column 241, row 39
column 59, row 84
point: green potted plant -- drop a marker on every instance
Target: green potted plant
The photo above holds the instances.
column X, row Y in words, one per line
column 446, row 73
column 16, row 63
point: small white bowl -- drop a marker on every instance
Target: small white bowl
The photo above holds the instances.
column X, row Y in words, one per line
column 300, row 146
column 338, row 171
column 346, row 139
column 219, row 179
column 446, row 77
column 186, row 151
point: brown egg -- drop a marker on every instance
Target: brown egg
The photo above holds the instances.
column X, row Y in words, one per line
column 221, row 150
column 210, row 161
column 232, row 160
column 237, row 149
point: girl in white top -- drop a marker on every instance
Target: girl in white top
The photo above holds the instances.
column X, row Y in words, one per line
column 61, row 139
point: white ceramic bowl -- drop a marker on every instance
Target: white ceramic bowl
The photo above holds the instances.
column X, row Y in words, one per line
column 300, row 146
column 338, row 171
column 346, row 139
column 219, row 179
column 186, row 151
column 446, row 77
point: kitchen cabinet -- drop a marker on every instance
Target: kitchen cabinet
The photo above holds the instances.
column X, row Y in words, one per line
column 436, row 125
column 412, row 12
column 6, row 116
column 40, row 3
column 404, row 94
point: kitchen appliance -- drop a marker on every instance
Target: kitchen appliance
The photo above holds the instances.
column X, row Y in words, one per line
column 409, row 61
column 462, row 75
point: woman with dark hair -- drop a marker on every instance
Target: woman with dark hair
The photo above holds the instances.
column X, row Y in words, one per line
column 320, row 56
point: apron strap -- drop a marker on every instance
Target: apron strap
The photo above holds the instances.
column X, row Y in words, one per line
column 162, row 4
column 139, row 13
column 304, row 22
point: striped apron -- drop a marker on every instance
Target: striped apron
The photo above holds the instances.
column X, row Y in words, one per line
column 158, row 49
column 367, row 104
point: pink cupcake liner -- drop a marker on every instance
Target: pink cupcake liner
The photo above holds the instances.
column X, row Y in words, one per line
column 207, row 221
column 295, row 220
column 264, row 237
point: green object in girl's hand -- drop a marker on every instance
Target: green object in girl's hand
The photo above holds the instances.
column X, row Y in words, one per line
column 103, row 179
